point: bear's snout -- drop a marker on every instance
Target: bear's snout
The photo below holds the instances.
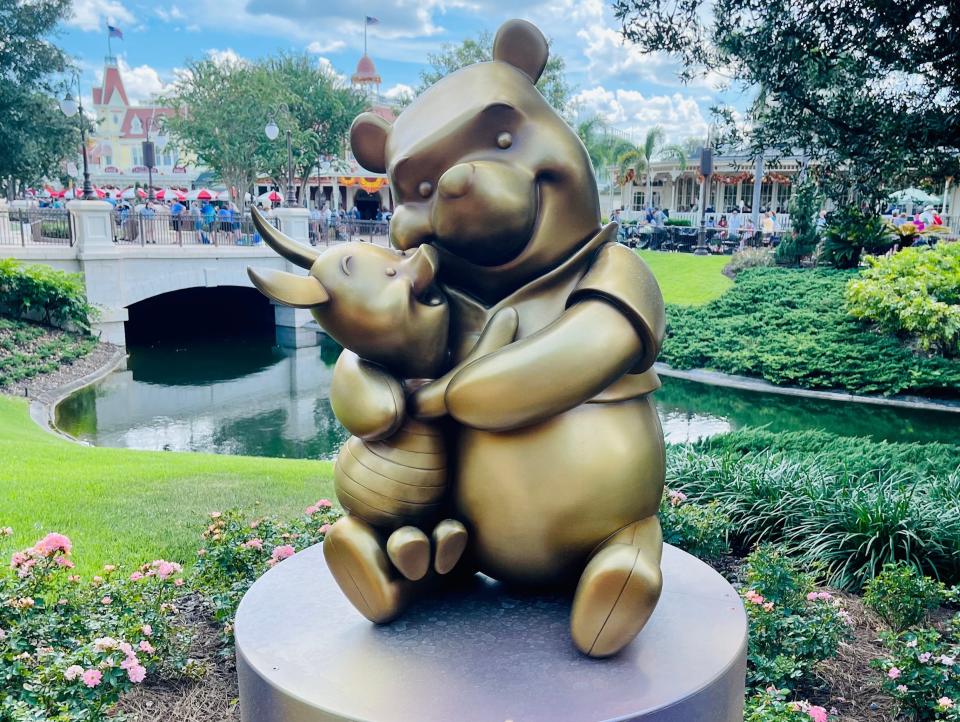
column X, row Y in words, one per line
column 456, row 181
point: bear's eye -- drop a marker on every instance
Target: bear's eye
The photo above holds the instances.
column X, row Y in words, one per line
column 425, row 189
column 504, row 140
column 391, row 271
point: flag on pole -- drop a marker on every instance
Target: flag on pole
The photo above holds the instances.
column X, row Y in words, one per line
column 372, row 21
column 114, row 32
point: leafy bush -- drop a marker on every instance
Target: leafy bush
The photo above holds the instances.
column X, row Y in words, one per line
column 849, row 523
column 792, row 626
column 681, row 222
column 772, row 705
column 69, row 649
column 850, row 233
column 901, row 596
column 791, row 327
column 236, row 552
column 922, row 672
column 748, row 258
column 842, row 454
column 56, row 297
column 700, row 529
column 914, row 292
column 802, row 239
column 28, row 349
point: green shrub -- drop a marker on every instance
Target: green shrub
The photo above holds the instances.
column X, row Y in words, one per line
column 28, row 349
column 922, row 672
column 901, row 596
column 700, row 529
column 791, row 327
column 772, row 705
column 68, row 648
column 850, row 233
column 802, row 238
column 748, row 258
column 237, row 551
column 681, row 222
column 792, row 626
column 850, row 524
column 56, row 297
column 914, row 292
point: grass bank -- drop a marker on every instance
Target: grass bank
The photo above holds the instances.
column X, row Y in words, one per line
column 686, row 279
column 125, row 506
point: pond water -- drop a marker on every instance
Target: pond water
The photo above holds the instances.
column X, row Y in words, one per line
column 251, row 397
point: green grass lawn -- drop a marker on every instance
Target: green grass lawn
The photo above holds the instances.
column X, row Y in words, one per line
column 126, row 507
column 686, row 279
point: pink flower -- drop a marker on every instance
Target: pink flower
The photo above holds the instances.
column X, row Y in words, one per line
column 282, row 552
column 74, row 578
column 137, row 673
column 825, row 596
column 768, row 607
column 944, row 703
column 136, row 577
column 72, row 672
column 53, row 543
column 3, row 634
column 201, row 552
column 817, row 714
column 753, row 597
column 254, row 544
column 146, row 629
column 127, row 649
column 947, row 661
column 109, row 568
column 145, row 646
column 925, row 657
column 18, row 559
column 65, row 563
column 92, row 677
column 96, row 580
column 812, row 597
column 324, row 504
column 676, row 497
column 324, row 528
column 902, row 688
column 178, row 582
column 894, row 673
column 215, row 514
column 106, row 600
column 163, row 569
column 912, row 643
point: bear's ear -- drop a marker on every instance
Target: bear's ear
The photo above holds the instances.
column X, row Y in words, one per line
column 523, row 46
column 368, row 139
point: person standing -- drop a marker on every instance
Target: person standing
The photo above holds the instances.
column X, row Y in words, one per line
column 177, row 212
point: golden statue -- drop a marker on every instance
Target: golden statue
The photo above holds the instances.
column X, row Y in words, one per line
column 517, row 335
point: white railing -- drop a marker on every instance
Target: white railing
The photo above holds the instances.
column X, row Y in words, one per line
column 711, row 219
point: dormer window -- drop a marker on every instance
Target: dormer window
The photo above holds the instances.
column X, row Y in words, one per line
column 136, row 127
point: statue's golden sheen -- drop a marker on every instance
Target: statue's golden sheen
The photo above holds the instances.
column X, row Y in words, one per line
column 557, row 456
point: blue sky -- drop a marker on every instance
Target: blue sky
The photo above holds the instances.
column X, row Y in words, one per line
column 631, row 90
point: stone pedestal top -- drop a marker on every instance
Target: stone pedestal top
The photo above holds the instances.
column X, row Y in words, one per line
column 483, row 653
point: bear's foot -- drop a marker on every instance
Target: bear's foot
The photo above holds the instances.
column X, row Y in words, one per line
column 618, row 590
column 449, row 541
column 409, row 550
column 359, row 563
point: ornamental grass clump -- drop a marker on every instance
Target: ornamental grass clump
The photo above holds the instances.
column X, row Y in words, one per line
column 915, row 293
column 69, row 647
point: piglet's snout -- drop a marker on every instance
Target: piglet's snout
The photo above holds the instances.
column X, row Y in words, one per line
column 457, row 181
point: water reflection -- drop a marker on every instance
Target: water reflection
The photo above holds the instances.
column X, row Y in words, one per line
column 249, row 397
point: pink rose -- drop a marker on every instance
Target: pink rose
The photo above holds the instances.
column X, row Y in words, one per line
column 925, row 657
column 817, row 714
column 65, row 563
column 72, row 672
column 902, row 688
column 282, row 552
column 145, row 646
column 146, row 629
column 53, row 543
column 944, row 703
column 106, row 600
column 137, row 673
column 894, row 673
column 178, row 582
column 136, row 577
column 324, row 528
column 92, row 677
column 254, row 544
column 812, row 597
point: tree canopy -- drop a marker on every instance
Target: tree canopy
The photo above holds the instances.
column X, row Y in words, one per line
column 35, row 137
column 292, row 90
column 453, row 56
column 871, row 88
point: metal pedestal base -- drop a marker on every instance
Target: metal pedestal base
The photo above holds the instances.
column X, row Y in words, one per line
column 484, row 654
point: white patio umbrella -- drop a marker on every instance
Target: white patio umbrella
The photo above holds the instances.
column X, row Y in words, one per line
column 913, row 195
column 131, row 192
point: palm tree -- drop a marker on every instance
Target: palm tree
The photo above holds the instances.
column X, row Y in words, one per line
column 638, row 158
column 678, row 152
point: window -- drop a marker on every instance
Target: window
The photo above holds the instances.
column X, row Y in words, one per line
column 137, row 155
column 116, row 119
column 729, row 196
column 766, row 195
column 638, row 200
column 136, row 127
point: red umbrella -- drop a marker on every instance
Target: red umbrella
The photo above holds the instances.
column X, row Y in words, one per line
column 271, row 196
column 200, row 195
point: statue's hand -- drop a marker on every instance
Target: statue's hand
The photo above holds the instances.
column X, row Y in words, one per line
column 426, row 401
column 367, row 400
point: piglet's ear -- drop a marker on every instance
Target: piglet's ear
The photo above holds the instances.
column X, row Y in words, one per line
column 368, row 139
column 523, row 46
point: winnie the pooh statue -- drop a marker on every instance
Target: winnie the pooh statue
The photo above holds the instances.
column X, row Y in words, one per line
column 556, row 455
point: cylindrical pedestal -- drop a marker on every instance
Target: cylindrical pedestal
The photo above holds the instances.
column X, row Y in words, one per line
column 484, row 654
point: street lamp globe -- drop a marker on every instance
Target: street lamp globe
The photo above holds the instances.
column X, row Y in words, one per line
column 68, row 106
column 272, row 130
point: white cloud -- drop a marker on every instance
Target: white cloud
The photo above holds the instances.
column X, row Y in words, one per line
column 93, row 15
column 630, row 110
column 170, row 14
column 329, row 47
column 224, row 57
column 327, row 67
column 142, row 83
column 398, row 90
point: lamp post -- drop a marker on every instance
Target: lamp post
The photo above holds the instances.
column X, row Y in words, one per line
column 706, row 170
column 149, row 160
column 70, row 107
column 272, row 131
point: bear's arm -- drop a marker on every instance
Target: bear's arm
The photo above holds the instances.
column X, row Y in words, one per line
column 556, row 369
column 367, row 400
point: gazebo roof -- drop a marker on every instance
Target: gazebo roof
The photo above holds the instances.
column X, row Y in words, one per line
column 366, row 72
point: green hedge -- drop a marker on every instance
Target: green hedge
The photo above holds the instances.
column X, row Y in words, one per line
column 54, row 297
column 29, row 349
column 792, row 327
